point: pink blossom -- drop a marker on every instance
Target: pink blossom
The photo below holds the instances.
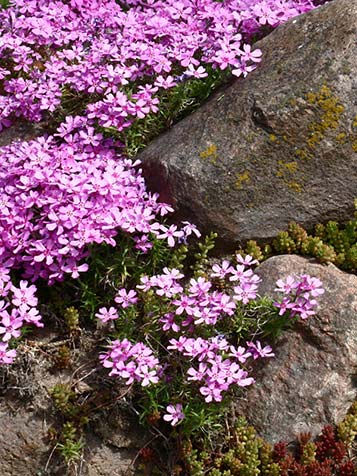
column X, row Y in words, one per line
column 174, row 414
column 106, row 315
column 125, row 298
column 6, row 355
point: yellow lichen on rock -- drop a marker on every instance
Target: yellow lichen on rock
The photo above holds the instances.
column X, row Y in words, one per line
column 241, row 179
column 210, row 153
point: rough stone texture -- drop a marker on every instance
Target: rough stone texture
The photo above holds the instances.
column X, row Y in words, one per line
column 21, row 131
column 251, row 159
column 312, row 380
column 22, row 450
column 113, row 438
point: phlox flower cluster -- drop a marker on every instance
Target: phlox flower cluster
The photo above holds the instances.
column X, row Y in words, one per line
column 298, row 295
column 132, row 362
column 57, row 198
column 18, row 307
column 200, row 303
column 186, row 308
column 99, row 50
column 190, row 312
column 217, row 364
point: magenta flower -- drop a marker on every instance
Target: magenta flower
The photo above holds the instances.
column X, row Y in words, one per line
column 126, row 299
column 174, row 414
column 10, row 325
column 6, row 356
column 24, row 297
column 106, row 315
column 258, row 351
column 221, row 271
column 170, row 234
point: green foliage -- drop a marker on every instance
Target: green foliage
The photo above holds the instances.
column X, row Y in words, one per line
column 258, row 317
column 330, row 243
column 347, row 429
column 4, row 3
column 70, row 446
column 70, row 443
column 175, row 104
column 243, row 453
column 71, row 318
column 201, row 257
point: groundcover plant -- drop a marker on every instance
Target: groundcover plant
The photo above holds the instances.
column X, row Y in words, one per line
column 91, row 71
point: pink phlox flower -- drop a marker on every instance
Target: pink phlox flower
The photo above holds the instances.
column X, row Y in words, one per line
column 225, row 305
column 219, row 343
column 167, row 286
column 11, row 324
column 311, row 285
column 75, row 269
column 304, row 307
column 174, row 414
column 245, row 292
column 242, row 379
column 147, row 375
column 124, row 370
column 221, row 271
column 24, row 297
column 165, row 83
column 199, row 374
column 106, row 315
column 240, row 353
column 173, row 273
column 241, row 68
column 125, row 298
column 198, row 73
column 248, row 55
column 232, row 372
column 240, row 273
column 4, row 275
column 258, row 351
column 147, row 283
column 265, row 14
column 168, row 321
column 284, row 305
column 178, row 345
column 143, row 243
column 205, row 315
column 246, row 261
column 163, row 208
column 32, row 316
column 184, row 304
column 189, row 228
column 170, row 234
column 213, row 392
column 199, row 287
column 5, row 288
column 286, row 286
column 7, row 355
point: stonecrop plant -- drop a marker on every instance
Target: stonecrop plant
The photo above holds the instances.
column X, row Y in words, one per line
column 100, row 75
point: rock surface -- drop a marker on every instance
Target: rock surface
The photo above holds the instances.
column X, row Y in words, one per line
column 311, row 381
column 22, row 131
column 29, row 416
column 277, row 146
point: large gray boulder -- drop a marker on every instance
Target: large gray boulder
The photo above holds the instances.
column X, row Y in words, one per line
column 311, row 381
column 277, row 146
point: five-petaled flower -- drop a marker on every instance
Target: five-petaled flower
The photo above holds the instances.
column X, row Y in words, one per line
column 174, row 414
